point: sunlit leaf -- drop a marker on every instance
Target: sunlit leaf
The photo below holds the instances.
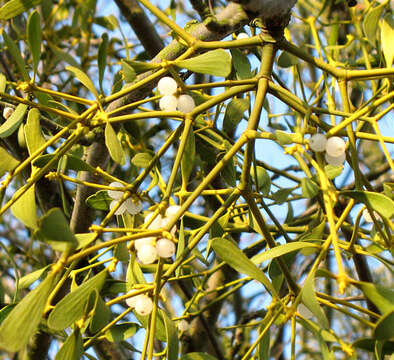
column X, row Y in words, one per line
column 7, row 161
column 128, row 72
column 34, row 37
column 172, row 338
column 113, row 145
column 73, row 163
column 14, row 51
column 381, row 296
column 22, row 322
column 141, row 159
column 370, row 23
column 263, row 179
column 215, row 62
column 387, row 36
column 121, row 332
column 84, row 79
column 32, row 129
column 13, row 122
column 3, row 82
column 72, row 347
column 25, row 209
column 30, row 278
column 13, row 8
column 309, row 188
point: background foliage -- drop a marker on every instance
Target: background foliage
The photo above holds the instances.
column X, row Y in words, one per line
column 276, row 255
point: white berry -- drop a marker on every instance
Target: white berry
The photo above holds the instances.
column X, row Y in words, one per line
column 143, row 305
column 183, row 325
column 139, row 243
column 368, row 218
column 335, row 146
column 242, row 35
column 132, row 300
column 147, row 254
column 157, row 222
column 335, row 160
column 167, row 86
column 168, row 103
column 113, row 194
column 318, row 142
column 133, row 207
column 7, row 112
column 121, row 209
column 172, row 210
column 165, row 248
column 186, row 104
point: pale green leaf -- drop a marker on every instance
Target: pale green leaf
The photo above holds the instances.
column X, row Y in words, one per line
column 141, row 160
column 309, row 188
column 381, row 296
column 128, row 72
column 229, row 252
column 3, row 82
column 241, row 64
column 101, row 317
column 7, row 161
column 286, row 60
column 72, row 306
column 113, row 145
column 34, row 37
column 100, row 200
column 140, row 67
column 370, row 23
column 384, row 329
column 188, row 157
column 73, row 163
column 387, row 36
column 13, row 8
column 121, row 332
column 215, row 62
column 72, row 347
column 84, row 79
column 84, row 239
column 30, row 278
column 280, row 250
column 261, row 178
column 25, row 209
column 172, row 338
column 22, row 322
column 13, row 122
column 234, row 114
column 378, row 202
column 32, row 129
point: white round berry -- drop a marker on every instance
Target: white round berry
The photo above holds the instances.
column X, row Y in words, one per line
column 318, row 142
column 335, row 160
column 147, row 254
column 186, row 104
column 183, row 325
column 143, row 305
column 139, row 243
column 133, row 207
column 168, row 103
column 368, row 218
column 121, row 209
column 172, row 210
column 7, row 112
column 132, row 300
column 304, row 311
column 157, row 222
column 335, row 146
column 242, row 35
column 165, row 248
column 113, row 194
column 167, row 86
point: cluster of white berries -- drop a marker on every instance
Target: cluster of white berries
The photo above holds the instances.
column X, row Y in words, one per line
column 142, row 304
column 167, row 86
column 149, row 248
column 242, row 35
column 334, row 147
column 130, row 205
column 7, row 112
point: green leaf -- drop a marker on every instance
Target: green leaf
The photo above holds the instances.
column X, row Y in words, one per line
column 73, row 163
column 3, row 82
column 13, row 122
column 264, row 347
column 72, row 347
column 32, row 129
column 141, row 160
column 14, row 51
column 286, row 60
column 141, row 67
column 13, row 8
column 381, row 296
column 113, row 144
column 229, row 252
column 128, row 72
column 160, row 333
column 281, row 195
column 134, row 273
column 25, row 209
column 283, row 137
column 34, row 37
column 188, row 157
column 369, row 345
column 384, row 329
column 72, row 306
column 310, row 301
column 7, row 161
column 378, row 202
column 30, row 278
column 387, row 36
column 215, row 62
column 5, row 311
column 309, row 188
column 333, row 171
column 241, row 64
column 263, row 179
column 54, row 229
column 84, row 79
column 22, row 322
column 172, row 338
column 197, row 356
column 84, row 239
column 234, row 114
column 101, row 317
column 121, row 332
column 100, row 200
column 63, row 55
column 370, row 23
column 280, row 250
column 102, row 59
